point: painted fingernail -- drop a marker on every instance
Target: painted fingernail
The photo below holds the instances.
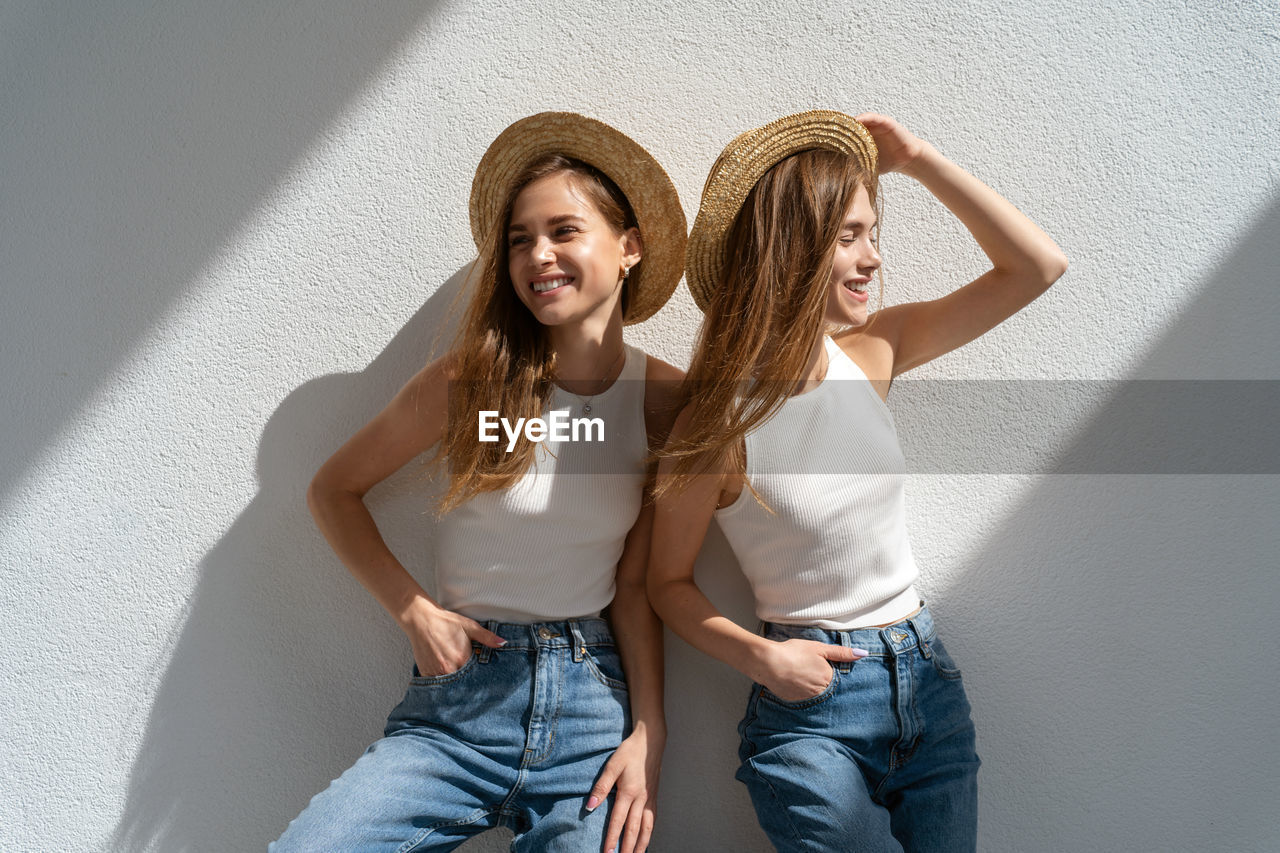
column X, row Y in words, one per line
column 592, row 803
column 862, row 653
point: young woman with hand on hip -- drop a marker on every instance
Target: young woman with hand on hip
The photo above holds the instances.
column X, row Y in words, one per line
column 857, row 734
column 524, row 710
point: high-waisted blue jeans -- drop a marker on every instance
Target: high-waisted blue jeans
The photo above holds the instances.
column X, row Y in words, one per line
column 882, row 760
column 516, row 738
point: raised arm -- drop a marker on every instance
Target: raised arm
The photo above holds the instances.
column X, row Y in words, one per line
column 1025, row 261
column 410, row 424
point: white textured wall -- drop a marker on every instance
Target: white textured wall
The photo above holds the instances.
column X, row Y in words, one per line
column 229, row 232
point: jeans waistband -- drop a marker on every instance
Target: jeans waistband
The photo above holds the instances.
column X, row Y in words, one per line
column 572, row 634
column 914, row 631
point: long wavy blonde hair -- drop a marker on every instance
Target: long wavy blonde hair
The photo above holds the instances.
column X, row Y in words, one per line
column 502, row 357
column 763, row 319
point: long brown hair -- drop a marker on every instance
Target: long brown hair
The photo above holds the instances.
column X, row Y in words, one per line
column 502, row 358
column 768, row 310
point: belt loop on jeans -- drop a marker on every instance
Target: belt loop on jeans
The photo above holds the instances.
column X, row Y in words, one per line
column 921, row 640
column 846, row 642
column 579, row 644
column 485, row 651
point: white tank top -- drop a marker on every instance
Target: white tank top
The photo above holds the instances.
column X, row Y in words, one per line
column 547, row 548
column 834, row 553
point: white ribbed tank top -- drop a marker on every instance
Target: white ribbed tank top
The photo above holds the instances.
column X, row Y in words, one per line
column 834, row 553
column 547, row 548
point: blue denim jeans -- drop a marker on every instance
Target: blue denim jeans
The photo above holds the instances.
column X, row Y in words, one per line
column 516, row 738
column 882, row 760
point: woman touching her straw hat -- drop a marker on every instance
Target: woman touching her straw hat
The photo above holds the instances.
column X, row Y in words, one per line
column 536, row 696
column 857, row 734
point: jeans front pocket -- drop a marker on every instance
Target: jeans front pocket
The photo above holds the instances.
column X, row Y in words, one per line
column 431, row 700
column 942, row 662
column 447, row 678
column 605, row 666
column 826, row 694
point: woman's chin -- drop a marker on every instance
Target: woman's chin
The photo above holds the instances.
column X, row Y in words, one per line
column 847, row 319
column 561, row 316
column 551, row 315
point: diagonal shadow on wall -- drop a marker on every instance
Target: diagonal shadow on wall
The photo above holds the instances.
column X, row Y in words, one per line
column 132, row 153
column 276, row 678
column 1116, row 630
column 1112, row 629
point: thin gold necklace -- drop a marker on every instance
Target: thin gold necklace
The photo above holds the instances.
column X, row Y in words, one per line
column 586, row 401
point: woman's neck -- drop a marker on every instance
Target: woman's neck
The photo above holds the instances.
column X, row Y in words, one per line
column 815, row 368
column 588, row 355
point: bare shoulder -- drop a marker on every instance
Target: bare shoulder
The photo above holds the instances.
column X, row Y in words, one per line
column 871, row 348
column 656, row 368
column 426, row 394
column 680, row 425
column 727, row 483
column 410, row 424
column 662, row 397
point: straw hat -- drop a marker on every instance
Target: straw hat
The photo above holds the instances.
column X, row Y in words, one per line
column 646, row 185
column 741, row 164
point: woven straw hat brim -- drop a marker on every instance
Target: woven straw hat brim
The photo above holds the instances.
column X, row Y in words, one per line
column 741, row 165
column 638, row 175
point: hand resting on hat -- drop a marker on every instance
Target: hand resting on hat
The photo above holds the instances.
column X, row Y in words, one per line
column 898, row 146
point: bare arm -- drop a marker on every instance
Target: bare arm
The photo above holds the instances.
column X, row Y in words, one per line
column 639, row 633
column 792, row 670
column 1025, row 261
column 636, row 765
column 412, row 422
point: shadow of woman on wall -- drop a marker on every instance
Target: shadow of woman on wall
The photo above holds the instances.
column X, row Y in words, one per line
column 284, row 668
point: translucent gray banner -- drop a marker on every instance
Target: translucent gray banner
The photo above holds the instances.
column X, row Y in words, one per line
column 1088, row 426
column 1031, row 427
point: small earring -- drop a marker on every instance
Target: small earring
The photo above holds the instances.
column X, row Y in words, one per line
column 626, row 271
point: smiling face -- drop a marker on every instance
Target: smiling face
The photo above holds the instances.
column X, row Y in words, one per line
column 564, row 258
column 855, row 261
